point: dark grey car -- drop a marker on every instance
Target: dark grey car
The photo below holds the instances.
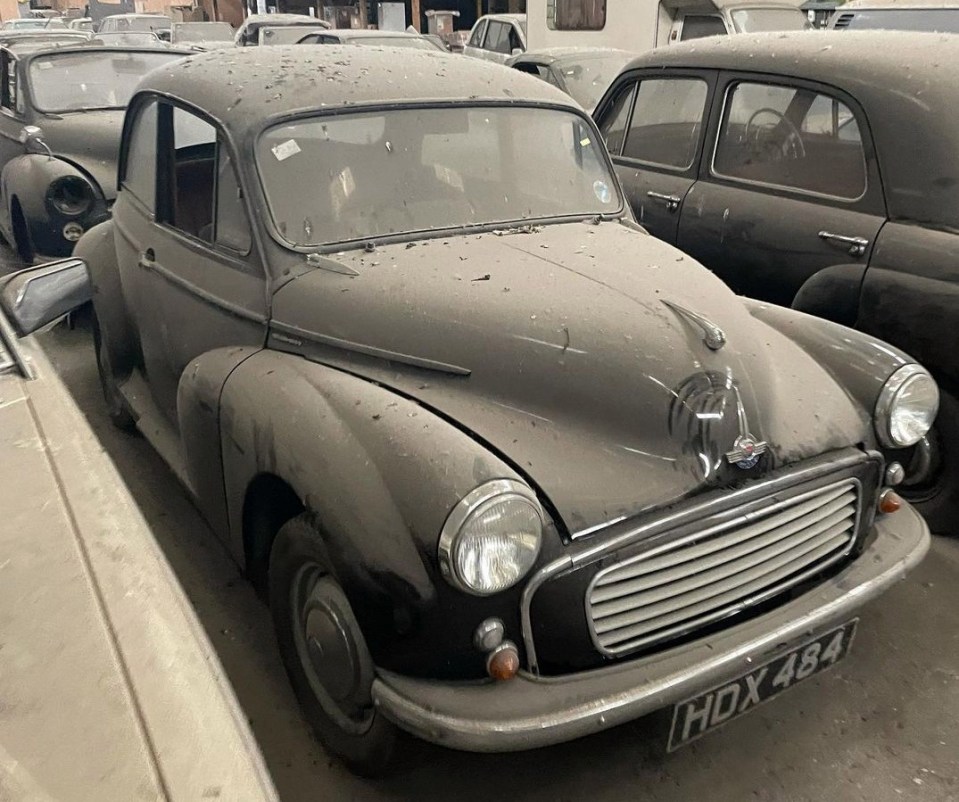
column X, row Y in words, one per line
column 818, row 170
column 509, row 469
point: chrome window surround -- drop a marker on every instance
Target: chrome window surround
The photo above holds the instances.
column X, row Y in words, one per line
column 619, row 534
column 717, row 530
column 713, row 171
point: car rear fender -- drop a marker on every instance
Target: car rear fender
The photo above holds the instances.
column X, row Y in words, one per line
column 833, row 293
column 379, row 472
column 118, row 335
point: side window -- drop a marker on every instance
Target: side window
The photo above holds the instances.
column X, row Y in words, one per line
column 698, row 26
column 515, row 43
column 141, row 158
column 8, row 97
column 576, row 15
column 476, row 40
column 667, row 121
column 497, row 37
column 190, row 174
column 791, row 137
column 232, row 228
column 613, row 124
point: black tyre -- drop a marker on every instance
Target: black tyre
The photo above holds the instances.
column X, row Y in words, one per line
column 324, row 651
column 119, row 414
column 938, row 497
column 21, row 235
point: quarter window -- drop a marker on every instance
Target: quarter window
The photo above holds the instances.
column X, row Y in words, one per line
column 791, row 137
column 667, row 121
column 576, row 15
column 613, row 126
column 141, row 159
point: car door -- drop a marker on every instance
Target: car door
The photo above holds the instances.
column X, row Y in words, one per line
column 789, row 186
column 189, row 270
column 654, row 124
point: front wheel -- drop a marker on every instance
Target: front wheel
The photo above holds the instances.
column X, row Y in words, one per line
column 324, row 651
column 937, row 497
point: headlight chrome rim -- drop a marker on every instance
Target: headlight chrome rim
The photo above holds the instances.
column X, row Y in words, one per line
column 471, row 504
column 889, row 396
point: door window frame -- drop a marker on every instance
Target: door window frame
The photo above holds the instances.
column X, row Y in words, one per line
column 479, row 34
column 872, row 200
column 709, row 77
column 10, row 65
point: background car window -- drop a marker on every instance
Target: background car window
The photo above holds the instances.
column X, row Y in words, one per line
column 698, row 26
column 9, row 98
column 791, row 137
column 476, row 40
column 613, row 124
column 667, row 119
column 515, row 43
column 232, row 226
column 576, row 15
column 141, row 157
column 497, row 37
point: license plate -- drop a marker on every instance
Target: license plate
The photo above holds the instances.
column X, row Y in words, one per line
column 707, row 711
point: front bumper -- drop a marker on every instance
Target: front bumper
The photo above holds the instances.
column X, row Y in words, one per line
column 532, row 711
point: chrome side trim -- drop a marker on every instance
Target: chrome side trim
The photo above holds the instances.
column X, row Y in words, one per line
column 622, row 534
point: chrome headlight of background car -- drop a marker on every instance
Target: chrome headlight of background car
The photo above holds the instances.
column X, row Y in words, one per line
column 71, row 195
column 491, row 538
column 907, row 407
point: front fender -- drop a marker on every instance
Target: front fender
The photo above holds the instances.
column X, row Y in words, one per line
column 381, row 475
column 859, row 363
column 27, row 178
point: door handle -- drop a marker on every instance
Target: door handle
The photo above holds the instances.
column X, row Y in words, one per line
column 672, row 201
column 856, row 246
column 147, row 259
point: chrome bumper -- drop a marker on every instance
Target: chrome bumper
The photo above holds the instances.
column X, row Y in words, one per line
column 532, row 711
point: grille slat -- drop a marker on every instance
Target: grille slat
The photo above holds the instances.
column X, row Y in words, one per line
column 716, row 572
column 705, row 545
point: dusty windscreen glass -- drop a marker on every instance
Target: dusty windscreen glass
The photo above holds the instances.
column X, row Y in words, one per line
column 759, row 20
column 361, row 176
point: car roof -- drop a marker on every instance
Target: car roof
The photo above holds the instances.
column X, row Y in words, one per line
column 901, row 78
column 548, row 55
column 137, row 16
column 361, row 33
column 286, row 79
column 505, row 17
column 282, row 19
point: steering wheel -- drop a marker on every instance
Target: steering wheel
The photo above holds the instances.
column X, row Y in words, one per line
column 793, row 141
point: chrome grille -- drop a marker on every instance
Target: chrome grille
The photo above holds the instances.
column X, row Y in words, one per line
column 678, row 587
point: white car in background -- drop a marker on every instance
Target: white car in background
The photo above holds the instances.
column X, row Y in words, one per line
column 497, row 37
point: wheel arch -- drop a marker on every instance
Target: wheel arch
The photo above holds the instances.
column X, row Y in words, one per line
column 269, row 502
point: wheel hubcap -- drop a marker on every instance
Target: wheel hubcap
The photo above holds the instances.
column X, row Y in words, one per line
column 329, row 651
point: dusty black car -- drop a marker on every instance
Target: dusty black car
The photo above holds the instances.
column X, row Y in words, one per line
column 61, row 112
column 818, row 170
column 509, row 469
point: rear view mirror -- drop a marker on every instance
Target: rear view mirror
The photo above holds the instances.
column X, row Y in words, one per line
column 33, row 297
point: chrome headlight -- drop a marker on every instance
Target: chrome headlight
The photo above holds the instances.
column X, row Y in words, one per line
column 491, row 538
column 71, row 195
column 907, row 406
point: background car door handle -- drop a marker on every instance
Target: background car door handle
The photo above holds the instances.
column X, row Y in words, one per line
column 672, row 201
column 147, row 259
column 855, row 245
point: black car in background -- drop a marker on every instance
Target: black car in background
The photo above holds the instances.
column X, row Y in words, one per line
column 61, row 111
column 813, row 169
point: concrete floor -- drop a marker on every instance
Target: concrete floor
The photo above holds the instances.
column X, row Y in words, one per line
column 883, row 725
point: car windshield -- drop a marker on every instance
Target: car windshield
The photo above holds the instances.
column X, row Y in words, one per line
column 411, row 42
column 758, row 20
column 203, row 32
column 121, row 24
column 936, row 20
column 363, row 176
column 587, row 78
column 95, row 80
column 21, row 24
